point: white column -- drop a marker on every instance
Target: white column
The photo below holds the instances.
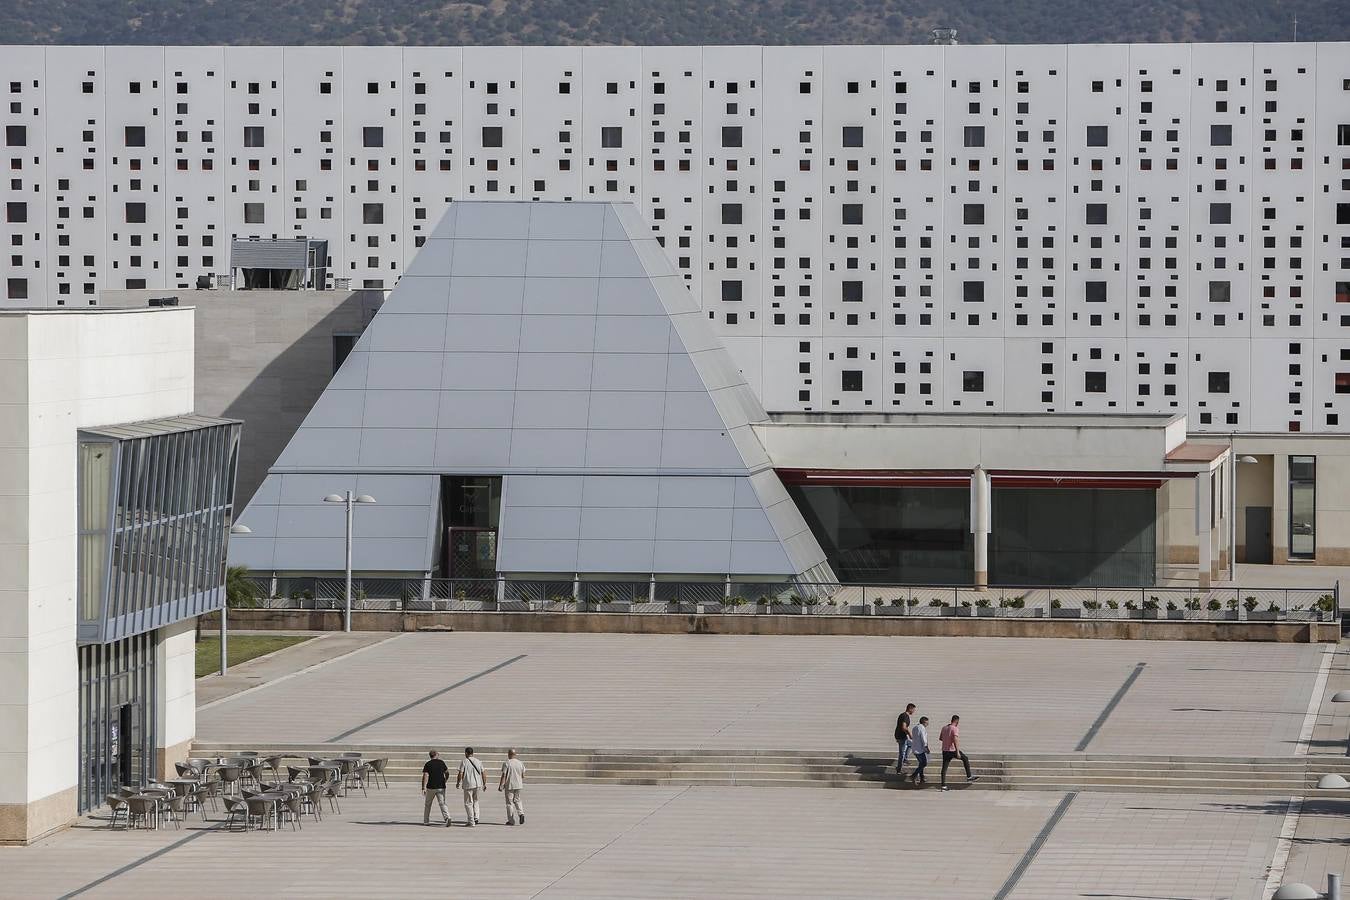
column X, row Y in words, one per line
column 979, row 523
column 176, row 694
column 1203, row 535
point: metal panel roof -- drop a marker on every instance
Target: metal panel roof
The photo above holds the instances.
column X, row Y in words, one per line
column 129, row 431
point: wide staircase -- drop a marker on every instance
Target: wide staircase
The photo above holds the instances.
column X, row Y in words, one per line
column 805, row 768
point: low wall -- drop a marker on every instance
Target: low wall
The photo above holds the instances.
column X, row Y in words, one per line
column 881, row 626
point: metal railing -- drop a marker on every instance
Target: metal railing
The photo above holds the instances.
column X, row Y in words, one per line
column 1237, row 603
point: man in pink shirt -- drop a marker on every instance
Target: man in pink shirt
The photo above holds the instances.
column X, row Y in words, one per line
column 950, row 736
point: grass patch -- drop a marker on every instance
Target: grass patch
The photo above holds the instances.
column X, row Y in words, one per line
column 243, row 647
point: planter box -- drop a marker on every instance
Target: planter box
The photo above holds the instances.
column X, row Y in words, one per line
column 1223, row 615
column 986, row 611
column 746, row 609
column 552, row 606
column 785, row 609
column 1262, row 615
column 683, row 608
column 1308, row 615
column 1141, row 613
column 890, row 611
column 1175, row 614
column 957, row 610
column 1015, row 613
column 473, row 605
column 513, row 606
column 1066, row 613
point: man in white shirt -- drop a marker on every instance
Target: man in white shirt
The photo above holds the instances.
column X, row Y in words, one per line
column 512, row 780
column 919, row 738
column 470, row 780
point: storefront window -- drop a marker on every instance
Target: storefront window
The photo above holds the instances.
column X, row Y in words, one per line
column 1302, row 507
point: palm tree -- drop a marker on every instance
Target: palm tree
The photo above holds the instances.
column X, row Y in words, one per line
column 240, row 590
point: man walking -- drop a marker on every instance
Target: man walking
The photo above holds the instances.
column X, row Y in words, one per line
column 903, row 739
column 512, row 780
column 950, row 736
column 435, row 773
column 470, row 780
column 919, row 739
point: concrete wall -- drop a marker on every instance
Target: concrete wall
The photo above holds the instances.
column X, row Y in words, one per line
column 60, row 372
column 263, row 357
column 1266, row 483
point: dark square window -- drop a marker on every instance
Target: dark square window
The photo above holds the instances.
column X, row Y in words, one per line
column 1094, row 382
column 611, row 137
column 16, row 211
column 254, row 213
column 731, row 135
column 16, row 135
column 136, row 213
column 16, row 288
column 972, row 214
column 851, row 380
column 1220, row 213
column 1095, row 214
column 135, row 135
column 372, row 213
column 972, row 382
column 1094, row 292
column 492, row 135
column 853, row 136
column 1218, row 382
column 1220, row 291
column 731, row 291
column 1096, row 135
column 372, row 136
column 973, row 135
column 1221, row 135
column 853, row 214
column 731, row 214
column 853, row 291
column 253, row 136
column 972, row 291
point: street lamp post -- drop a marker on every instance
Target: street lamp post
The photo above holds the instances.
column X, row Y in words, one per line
column 224, row 607
column 1232, row 510
column 350, row 500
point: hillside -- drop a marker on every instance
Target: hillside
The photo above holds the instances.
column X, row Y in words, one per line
column 660, row 21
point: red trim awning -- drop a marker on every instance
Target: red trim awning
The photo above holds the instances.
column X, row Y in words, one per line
column 961, row 479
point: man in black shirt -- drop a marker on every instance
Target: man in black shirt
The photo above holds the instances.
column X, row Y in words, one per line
column 902, row 738
column 434, row 776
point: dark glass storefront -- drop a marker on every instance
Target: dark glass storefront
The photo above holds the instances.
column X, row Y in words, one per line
column 117, row 717
column 891, row 535
column 1040, row 536
column 471, row 509
column 1073, row 536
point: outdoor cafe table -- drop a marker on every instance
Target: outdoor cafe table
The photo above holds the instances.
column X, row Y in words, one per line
column 274, row 799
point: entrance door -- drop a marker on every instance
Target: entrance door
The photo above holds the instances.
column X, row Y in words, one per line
column 1258, row 535
column 471, row 552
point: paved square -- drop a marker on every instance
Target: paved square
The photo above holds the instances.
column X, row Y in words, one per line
column 586, row 841
column 817, row 693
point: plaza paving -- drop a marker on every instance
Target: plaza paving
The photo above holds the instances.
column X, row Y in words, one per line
column 760, row 692
column 636, row 842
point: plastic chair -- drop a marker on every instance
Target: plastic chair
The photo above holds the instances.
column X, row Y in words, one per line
column 274, row 763
column 377, row 768
column 293, row 806
column 237, row 809
column 230, row 778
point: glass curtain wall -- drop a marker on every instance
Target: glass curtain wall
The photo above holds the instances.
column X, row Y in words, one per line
column 891, row 535
column 1057, row 536
column 1302, row 507
column 117, row 717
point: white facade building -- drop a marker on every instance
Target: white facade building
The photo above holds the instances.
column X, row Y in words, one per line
column 1084, row 229
column 96, row 634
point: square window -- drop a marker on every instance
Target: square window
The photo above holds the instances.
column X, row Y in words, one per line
column 1221, row 135
column 853, row 136
column 253, row 213
column 1220, row 291
column 134, row 136
column 972, row 291
column 731, row 214
column 731, row 135
column 731, row 291
column 972, row 382
column 1096, row 135
column 972, row 214
column 1218, row 382
column 492, row 135
column 853, row 214
column 611, row 137
column 1095, row 214
column 851, row 380
column 1094, row 382
column 852, row 291
column 1094, row 292
column 974, row 136
column 135, row 213
column 16, row 135
column 372, row 136
column 1220, row 214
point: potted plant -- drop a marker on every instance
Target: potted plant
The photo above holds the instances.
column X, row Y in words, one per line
column 734, row 604
column 894, row 607
column 790, row 605
column 1092, row 609
column 1057, row 611
column 983, row 607
column 1174, row 611
column 1016, row 607
column 1270, row 614
column 1326, row 606
column 1112, row 607
column 911, row 603
column 938, row 607
column 1216, row 610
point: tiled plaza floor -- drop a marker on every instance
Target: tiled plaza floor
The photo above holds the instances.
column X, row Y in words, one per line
column 835, row 693
column 636, row 842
